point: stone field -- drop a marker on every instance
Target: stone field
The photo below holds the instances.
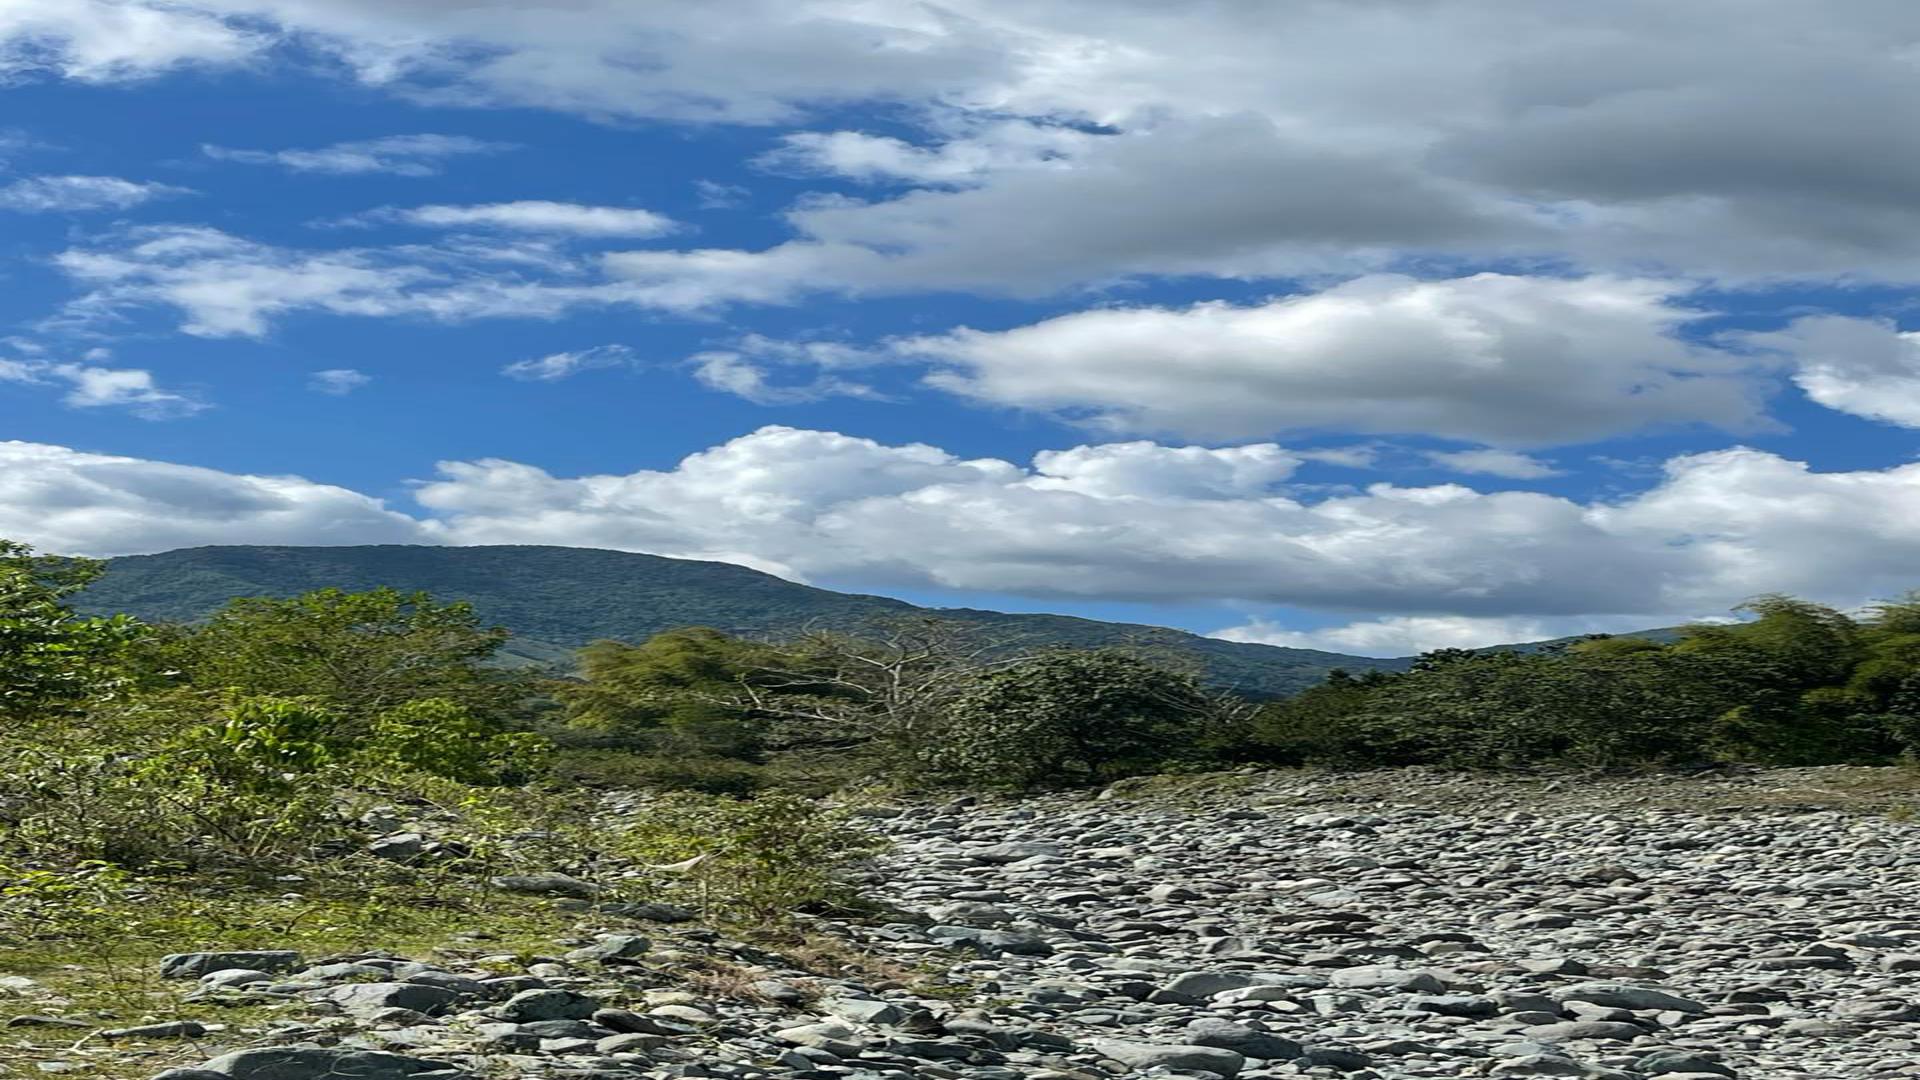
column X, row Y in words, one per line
column 1392, row 925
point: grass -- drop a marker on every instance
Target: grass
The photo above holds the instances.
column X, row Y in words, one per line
column 110, row 978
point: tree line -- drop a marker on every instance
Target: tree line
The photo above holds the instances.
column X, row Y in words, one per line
column 384, row 677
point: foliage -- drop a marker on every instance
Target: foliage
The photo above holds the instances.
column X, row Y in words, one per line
column 753, row 861
column 556, row 600
column 1797, row 684
column 1073, row 718
column 607, row 768
column 359, row 653
column 677, row 691
column 50, row 658
column 443, row 738
column 886, row 697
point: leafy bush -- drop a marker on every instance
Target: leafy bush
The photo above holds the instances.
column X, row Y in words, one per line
column 358, row 654
column 442, row 738
column 1073, row 718
column 753, row 861
column 660, row 771
column 50, row 658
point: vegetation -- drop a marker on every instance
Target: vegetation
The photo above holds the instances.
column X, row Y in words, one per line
column 556, row 600
column 1798, row 684
column 234, row 779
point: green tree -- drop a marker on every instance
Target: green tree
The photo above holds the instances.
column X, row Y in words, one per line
column 51, row 659
column 1075, row 717
column 680, row 690
column 1314, row 726
column 359, row 654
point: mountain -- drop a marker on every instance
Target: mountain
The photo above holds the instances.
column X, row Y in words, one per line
column 556, row 599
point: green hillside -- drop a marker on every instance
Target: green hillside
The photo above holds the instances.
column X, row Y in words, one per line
column 556, row 599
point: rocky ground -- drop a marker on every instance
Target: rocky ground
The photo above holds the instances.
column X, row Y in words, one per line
column 1270, row 925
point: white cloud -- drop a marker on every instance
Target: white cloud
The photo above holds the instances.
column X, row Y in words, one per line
column 127, row 388
column 1867, row 367
column 714, row 195
column 70, row 194
column 560, row 365
column 109, row 40
column 1407, row 635
column 1121, row 521
column 91, row 385
column 396, row 155
column 745, row 370
column 968, row 156
column 1489, row 462
column 539, row 216
column 222, row 285
column 74, row 502
column 1724, row 137
column 337, row 381
column 1489, row 358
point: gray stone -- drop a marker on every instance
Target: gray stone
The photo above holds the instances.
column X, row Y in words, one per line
column 172, row 1029
column 863, row 1010
column 613, row 948
column 368, row 999
column 1668, row 1062
column 1241, row 1039
column 530, row 1006
column 1385, row 977
column 1141, row 1056
column 1627, row 996
column 1610, row 1030
column 315, row 1063
column 194, row 965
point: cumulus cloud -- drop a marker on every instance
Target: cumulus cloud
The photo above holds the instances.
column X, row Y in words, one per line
column 539, row 216
column 89, row 384
column 395, row 155
column 1867, row 367
column 746, row 370
column 1408, row 635
column 966, row 156
column 1068, row 142
column 1148, row 522
column 71, row 194
column 1134, row 521
column 560, row 365
column 132, row 389
column 338, row 382
column 1490, row 462
column 1489, row 358
column 222, row 285
column 75, row 502
column 110, row 40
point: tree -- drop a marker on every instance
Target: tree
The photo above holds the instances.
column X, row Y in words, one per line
column 887, row 694
column 359, row 654
column 51, row 659
column 1314, row 726
column 680, row 690
column 1074, row 717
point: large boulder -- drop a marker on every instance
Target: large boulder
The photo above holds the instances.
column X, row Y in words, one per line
column 195, row 964
column 317, row 1063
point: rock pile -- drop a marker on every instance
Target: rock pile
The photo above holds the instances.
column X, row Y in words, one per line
column 1428, row 931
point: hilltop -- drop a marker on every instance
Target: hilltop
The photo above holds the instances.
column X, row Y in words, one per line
column 556, row 599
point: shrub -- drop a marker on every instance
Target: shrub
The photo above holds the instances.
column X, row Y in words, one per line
column 442, row 738
column 664, row 772
column 51, row 659
column 754, row 861
column 1073, row 717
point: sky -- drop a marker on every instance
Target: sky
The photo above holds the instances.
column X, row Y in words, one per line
column 1366, row 325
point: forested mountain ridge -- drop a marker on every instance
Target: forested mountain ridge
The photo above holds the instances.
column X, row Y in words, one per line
column 556, row 599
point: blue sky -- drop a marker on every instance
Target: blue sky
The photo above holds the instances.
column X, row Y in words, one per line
column 1365, row 327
